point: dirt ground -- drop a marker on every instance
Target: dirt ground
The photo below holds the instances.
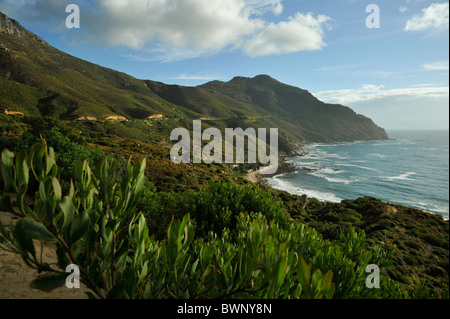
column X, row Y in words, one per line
column 253, row 176
column 15, row 276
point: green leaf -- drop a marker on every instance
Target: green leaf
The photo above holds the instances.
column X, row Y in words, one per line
column 36, row 230
column 42, row 193
column 25, row 171
column 206, row 254
column 130, row 278
column 281, row 274
column 37, row 154
column 63, row 260
column 187, row 230
column 317, row 277
column 6, row 169
column 50, row 161
column 68, row 209
column 49, row 283
column 304, row 272
column 172, row 247
column 79, row 227
column 72, row 190
column 7, row 158
column 57, row 189
column 228, row 273
column 23, row 238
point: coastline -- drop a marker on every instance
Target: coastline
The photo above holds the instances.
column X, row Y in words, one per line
column 283, row 168
column 290, row 164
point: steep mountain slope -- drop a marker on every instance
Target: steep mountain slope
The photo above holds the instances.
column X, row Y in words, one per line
column 314, row 120
column 205, row 102
column 38, row 80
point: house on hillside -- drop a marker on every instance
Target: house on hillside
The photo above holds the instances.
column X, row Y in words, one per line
column 87, row 118
column 116, row 118
column 156, row 117
column 8, row 112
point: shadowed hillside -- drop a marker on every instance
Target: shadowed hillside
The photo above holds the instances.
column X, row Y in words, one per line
column 312, row 120
column 39, row 80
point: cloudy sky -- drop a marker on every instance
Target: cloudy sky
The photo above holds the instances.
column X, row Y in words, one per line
column 396, row 74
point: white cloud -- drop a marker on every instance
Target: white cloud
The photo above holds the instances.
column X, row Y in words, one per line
column 260, row 7
column 200, row 25
column 372, row 92
column 426, row 84
column 178, row 29
column 371, row 87
column 303, row 32
column 402, row 9
column 417, row 107
column 436, row 66
column 435, row 17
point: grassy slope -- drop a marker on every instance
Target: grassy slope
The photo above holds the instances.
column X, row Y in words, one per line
column 422, row 239
column 312, row 120
column 64, row 86
column 39, row 80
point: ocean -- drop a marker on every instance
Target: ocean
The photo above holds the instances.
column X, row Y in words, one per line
column 411, row 169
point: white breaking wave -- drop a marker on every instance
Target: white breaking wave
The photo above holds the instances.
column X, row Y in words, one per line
column 334, row 179
column 404, row 177
column 279, row 183
column 358, row 166
column 441, row 210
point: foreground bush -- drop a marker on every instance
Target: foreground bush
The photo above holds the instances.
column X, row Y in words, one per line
column 96, row 226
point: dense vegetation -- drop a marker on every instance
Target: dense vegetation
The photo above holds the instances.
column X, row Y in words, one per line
column 232, row 239
column 107, row 197
column 97, row 227
column 39, row 80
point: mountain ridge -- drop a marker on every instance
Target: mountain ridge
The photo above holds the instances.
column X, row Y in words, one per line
column 299, row 107
column 11, row 26
column 39, row 80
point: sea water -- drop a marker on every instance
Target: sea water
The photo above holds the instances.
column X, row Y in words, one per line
column 411, row 169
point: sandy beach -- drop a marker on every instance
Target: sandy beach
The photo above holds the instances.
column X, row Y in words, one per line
column 283, row 167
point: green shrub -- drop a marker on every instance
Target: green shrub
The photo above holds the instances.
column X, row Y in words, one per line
column 213, row 208
column 257, row 251
column 435, row 241
column 121, row 260
column 409, row 260
column 68, row 150
column 413, row 244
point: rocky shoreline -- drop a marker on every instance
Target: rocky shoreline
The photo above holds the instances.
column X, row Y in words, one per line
column 284, row 167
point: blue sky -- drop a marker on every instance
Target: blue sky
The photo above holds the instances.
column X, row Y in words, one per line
column 396, row 74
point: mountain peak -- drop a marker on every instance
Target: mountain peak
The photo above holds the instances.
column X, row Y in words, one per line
column 12, row 27
column 261, row 77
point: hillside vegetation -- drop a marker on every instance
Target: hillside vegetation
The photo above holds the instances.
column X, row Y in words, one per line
column 106, row 195
column 39, row 80
column 410, row 246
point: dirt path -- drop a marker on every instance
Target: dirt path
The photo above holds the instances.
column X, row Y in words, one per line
column 15, row 276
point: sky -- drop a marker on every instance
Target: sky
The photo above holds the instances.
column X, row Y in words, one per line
column 392, row 67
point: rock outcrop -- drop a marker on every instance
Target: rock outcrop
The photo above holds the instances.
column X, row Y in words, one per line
column 11, row 26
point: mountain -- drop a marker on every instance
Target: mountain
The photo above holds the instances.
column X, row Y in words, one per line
column 39, row 80
column 312, row 119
